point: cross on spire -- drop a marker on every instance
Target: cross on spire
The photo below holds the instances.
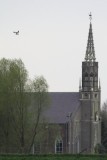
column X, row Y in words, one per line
column 90, row 16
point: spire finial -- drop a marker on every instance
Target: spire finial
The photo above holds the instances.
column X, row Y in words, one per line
column 90, row 16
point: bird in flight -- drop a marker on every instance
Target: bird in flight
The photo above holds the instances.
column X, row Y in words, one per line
column 17, row 33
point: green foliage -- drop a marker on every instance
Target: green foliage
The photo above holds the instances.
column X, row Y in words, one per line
column 99, row 149
column 40, row 85
column 46, row 137
column 40, row 102
column 21, row 106
column 13, row 77
column 104, row 126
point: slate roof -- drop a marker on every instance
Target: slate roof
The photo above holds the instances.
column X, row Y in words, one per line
column 62, row 103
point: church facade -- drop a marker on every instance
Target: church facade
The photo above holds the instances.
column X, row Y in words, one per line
column 76, row 113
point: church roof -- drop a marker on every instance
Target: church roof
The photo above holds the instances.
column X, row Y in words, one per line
column 62, row 104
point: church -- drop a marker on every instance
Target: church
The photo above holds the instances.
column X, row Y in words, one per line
column 76, row 113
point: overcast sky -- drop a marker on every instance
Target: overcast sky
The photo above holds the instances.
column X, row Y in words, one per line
column 53, row 38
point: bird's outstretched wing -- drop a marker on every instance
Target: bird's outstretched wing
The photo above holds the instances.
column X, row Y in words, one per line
column 17, row 33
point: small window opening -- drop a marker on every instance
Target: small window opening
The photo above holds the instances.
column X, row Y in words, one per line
column 58, row 146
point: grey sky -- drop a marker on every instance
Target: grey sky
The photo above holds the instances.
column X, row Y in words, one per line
column 53, row 38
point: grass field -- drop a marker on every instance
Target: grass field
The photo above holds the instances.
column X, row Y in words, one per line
column 53, row 157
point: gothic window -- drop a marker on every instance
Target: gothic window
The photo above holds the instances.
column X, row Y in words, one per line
column 59, row 146
column 95, row 95
column 91, row 76
column 86, row 76
column 96, row 77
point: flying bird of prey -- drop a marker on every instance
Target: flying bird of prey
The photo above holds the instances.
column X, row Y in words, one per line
column 17, row 33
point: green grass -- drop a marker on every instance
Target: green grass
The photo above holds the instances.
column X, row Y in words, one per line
column 53, row 157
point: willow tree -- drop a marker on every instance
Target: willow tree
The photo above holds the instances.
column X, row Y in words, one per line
column 40, row 102
column 13, row 77
column 21, row 106
column 5, row 117
column 19, row 102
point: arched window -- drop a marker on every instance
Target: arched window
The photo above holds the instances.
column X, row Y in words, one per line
column 58, row 146
column 91, row 76
column 96, row 77
column 86, row 76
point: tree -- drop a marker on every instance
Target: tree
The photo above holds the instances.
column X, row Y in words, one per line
column 13, row 77
column 99, row 149
column 46, row 137
column 5, row 115
column 19, row 99
column 104, row 125
column 22, row 103
column 40, row 97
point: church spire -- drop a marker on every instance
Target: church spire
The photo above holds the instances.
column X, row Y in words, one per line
column 90, row 53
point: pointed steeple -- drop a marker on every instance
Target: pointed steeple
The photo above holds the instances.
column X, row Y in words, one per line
column 90, row 53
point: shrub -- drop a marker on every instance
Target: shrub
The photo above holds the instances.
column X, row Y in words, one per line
column 99, row 148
